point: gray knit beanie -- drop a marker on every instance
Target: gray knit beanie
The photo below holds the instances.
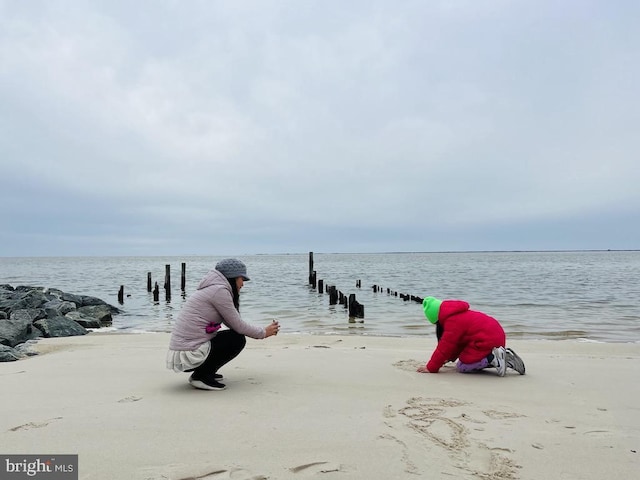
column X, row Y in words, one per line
column 232, row 268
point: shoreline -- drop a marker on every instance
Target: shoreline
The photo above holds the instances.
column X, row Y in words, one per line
column 303, row 406
column 510, row 338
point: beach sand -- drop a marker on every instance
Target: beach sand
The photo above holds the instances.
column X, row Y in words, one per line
column 331, row 407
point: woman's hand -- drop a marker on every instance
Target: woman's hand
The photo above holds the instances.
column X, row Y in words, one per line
column 272, row 329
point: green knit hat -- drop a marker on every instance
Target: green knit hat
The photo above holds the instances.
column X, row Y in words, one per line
column 431, row 307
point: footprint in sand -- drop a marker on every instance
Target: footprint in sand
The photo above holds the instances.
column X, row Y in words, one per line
column 315, row 468
column 129, row 399
column 183, row 472
column 30, row 425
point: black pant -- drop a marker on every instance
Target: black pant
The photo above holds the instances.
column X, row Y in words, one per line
column 225, row 346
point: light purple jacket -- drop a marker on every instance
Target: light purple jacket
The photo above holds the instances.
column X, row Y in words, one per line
column 211, row 303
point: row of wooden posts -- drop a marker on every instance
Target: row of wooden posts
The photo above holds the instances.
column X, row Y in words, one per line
column 355, row 308
column 156, row 288
column 404, row 296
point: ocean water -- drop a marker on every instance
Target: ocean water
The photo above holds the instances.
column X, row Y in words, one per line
column 592, row 295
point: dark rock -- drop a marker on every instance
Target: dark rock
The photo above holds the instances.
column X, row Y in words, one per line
column 88, row 301
column 84, row 320
column 27, row 288
column 100, row 312
column 28, row 313
column 8, row 354
column 26, row 349
column 57, row 308
column 59, row 327
column 30, row 299
column 70, row 297
column 18, row 328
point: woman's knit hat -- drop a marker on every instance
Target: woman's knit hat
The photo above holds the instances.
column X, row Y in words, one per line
column 431, row 307
column 232, row 268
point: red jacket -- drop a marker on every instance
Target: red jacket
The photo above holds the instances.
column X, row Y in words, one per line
column 468, row 335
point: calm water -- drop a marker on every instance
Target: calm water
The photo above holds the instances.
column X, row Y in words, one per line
column 551, row 295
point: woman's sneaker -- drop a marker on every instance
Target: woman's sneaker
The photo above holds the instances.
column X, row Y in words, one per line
column 514, row 362
column 209, row 384
column 499, row 354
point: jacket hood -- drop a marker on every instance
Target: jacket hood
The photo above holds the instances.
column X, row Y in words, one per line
column 214, row 277
column 452, row 307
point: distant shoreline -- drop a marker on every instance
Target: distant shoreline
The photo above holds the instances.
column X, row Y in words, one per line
column 187, row 255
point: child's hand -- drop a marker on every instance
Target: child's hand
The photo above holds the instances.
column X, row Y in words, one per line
column 423, row 370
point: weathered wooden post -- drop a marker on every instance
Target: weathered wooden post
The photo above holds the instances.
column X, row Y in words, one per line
column 311, row 272
column 183, row 277
column 156, row 293
column 167, row 281
column 121, row 294
column 312, row 280
column 148, row 281
column 320, row 286
column 355, row 309
column 333, row 295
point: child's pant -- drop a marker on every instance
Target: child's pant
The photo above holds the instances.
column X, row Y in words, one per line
column 473, row 367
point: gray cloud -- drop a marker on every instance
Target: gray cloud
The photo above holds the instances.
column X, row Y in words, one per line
column 248, row 127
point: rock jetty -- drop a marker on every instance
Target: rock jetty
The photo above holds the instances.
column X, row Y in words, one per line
column 28, row 313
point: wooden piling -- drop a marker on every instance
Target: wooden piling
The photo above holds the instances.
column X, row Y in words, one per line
column 167, row 281
column 183, row 277
column 312, row 273
column 148, row 281
column 333, row 295
column 320, row 286
column 121, row 294
column 156, row 293
column 312, row 280
column 356, row 309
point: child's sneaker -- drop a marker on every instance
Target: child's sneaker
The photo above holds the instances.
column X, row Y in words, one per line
column 514, row 362
column 499, row 361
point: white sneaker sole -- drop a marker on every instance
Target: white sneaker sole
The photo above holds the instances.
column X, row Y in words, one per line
column 500, row 355
column 203, row 386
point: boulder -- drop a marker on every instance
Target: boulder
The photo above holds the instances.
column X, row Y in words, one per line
column 18, row 328
column 58, row 308
column 8, row 354
column 29, row 299
column 101, row 312
column 84, row 320
column 28, row 313
column 59, row 327
column 88, row 301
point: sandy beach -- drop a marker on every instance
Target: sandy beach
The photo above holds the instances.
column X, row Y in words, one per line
column 305, row 406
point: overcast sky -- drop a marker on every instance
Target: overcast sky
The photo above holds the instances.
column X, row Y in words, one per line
column 237, row 127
